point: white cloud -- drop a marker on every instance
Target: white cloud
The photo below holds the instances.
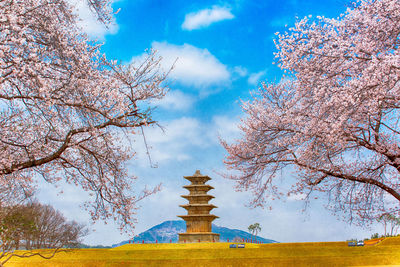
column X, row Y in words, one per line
column 254, row 78
column 194, row 66
column 89, row 23
column 226, row 128
column 183, row 129
column 181, row 138
column 175, row 100
column 174, row 143
column 240, row 71
column 205, row 17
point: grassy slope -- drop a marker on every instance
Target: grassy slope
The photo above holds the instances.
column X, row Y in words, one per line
column 386, row 252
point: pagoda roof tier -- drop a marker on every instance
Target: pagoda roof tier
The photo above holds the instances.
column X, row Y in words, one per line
column 200, row 197
column 198, row 187
column 198, row 206
column 199, row 217
column 197, row 178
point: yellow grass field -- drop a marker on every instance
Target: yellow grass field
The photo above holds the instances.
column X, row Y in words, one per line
column 386, row 253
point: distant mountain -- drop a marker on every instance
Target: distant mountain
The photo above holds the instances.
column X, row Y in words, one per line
column 168, row 232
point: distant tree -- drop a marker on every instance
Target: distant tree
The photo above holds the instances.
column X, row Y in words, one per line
column 254, row 229
column 15, row 223
column 35, row 226
column 390, row 223
column 66, row 110
column 333, row 120
column 374, row 236
column 52, row 230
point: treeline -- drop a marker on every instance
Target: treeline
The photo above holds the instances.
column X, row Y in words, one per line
column 376, row 235
column 34, row 225
column 81, row 245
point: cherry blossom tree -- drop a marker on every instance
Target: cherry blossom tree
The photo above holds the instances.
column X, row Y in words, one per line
column 66, row 110
column 333, row 120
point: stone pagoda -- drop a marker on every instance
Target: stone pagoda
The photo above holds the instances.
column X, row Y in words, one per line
column 198, row 220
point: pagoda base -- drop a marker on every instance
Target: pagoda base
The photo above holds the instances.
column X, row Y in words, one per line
column 198, row 237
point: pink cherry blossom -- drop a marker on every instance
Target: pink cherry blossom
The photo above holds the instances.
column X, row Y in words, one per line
column 334, row 119
column 65, row 107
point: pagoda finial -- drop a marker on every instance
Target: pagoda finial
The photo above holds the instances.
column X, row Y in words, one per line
column 197, row 173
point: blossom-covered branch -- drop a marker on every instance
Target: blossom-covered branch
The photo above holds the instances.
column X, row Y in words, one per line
column 64, row 107
column 334, row 118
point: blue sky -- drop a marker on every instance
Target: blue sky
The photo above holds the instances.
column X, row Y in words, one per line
column 224, row 49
